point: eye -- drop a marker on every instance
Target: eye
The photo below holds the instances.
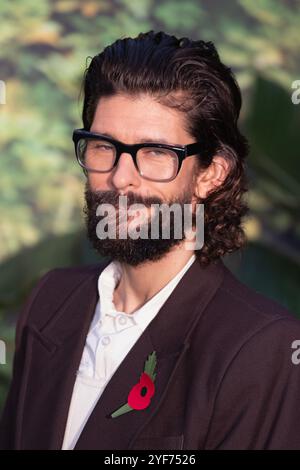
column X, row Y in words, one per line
column 105, row 147
column 156, row 152
column 102, row 146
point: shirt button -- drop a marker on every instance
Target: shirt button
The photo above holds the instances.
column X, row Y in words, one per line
column 105, row 340
column 122, row 320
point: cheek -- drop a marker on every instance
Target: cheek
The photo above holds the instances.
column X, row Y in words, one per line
column 98, row 181
column 187, row 174
column 162, row 190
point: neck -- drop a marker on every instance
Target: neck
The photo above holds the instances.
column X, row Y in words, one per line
column 139, row 283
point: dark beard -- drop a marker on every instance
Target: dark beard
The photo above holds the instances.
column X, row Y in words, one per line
column 132, row 251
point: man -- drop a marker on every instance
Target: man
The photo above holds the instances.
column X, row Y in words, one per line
column 160, row 346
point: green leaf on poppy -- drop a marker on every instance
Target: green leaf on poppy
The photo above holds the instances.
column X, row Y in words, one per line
column 150, row 365
column 121, row 411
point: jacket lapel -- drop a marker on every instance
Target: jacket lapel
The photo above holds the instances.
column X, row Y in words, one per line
column 53, row 355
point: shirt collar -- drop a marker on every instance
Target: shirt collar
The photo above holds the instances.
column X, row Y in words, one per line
column 109, row 278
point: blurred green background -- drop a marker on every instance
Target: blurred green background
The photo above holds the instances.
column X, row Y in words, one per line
column 44, row 46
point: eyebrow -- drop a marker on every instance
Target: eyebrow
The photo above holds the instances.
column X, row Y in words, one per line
column 141, row 140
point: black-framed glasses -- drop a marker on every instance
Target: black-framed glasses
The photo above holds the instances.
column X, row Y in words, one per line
column 154, row 161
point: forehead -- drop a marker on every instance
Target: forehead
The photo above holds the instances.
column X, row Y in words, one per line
column 139, row 118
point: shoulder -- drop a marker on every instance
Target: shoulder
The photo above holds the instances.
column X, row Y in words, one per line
column 60, row 282
column 247, row 308
column 53, row 288
column 239, row 318
column 249, row 299
column 266, row 332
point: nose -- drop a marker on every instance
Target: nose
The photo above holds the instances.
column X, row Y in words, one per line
column 125, row 173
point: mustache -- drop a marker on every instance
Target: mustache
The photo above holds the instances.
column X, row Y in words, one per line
column 112, row 197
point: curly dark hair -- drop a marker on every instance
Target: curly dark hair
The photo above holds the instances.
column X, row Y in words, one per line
column 189, row 76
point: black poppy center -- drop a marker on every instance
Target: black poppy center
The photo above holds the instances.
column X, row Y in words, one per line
column 144, row 391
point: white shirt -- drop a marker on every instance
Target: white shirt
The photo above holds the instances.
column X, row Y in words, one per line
column 111, row 336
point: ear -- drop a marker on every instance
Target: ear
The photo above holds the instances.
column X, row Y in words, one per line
column 212, row 177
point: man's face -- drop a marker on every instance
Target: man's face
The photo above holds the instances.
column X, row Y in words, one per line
column 132, row 120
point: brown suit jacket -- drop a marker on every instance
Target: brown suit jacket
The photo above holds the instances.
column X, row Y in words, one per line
column 225, row 378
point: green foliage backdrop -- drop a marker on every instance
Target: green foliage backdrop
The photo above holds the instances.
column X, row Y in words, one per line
column 44, row 48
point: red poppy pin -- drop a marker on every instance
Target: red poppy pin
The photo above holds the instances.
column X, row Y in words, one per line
column 140, row 395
